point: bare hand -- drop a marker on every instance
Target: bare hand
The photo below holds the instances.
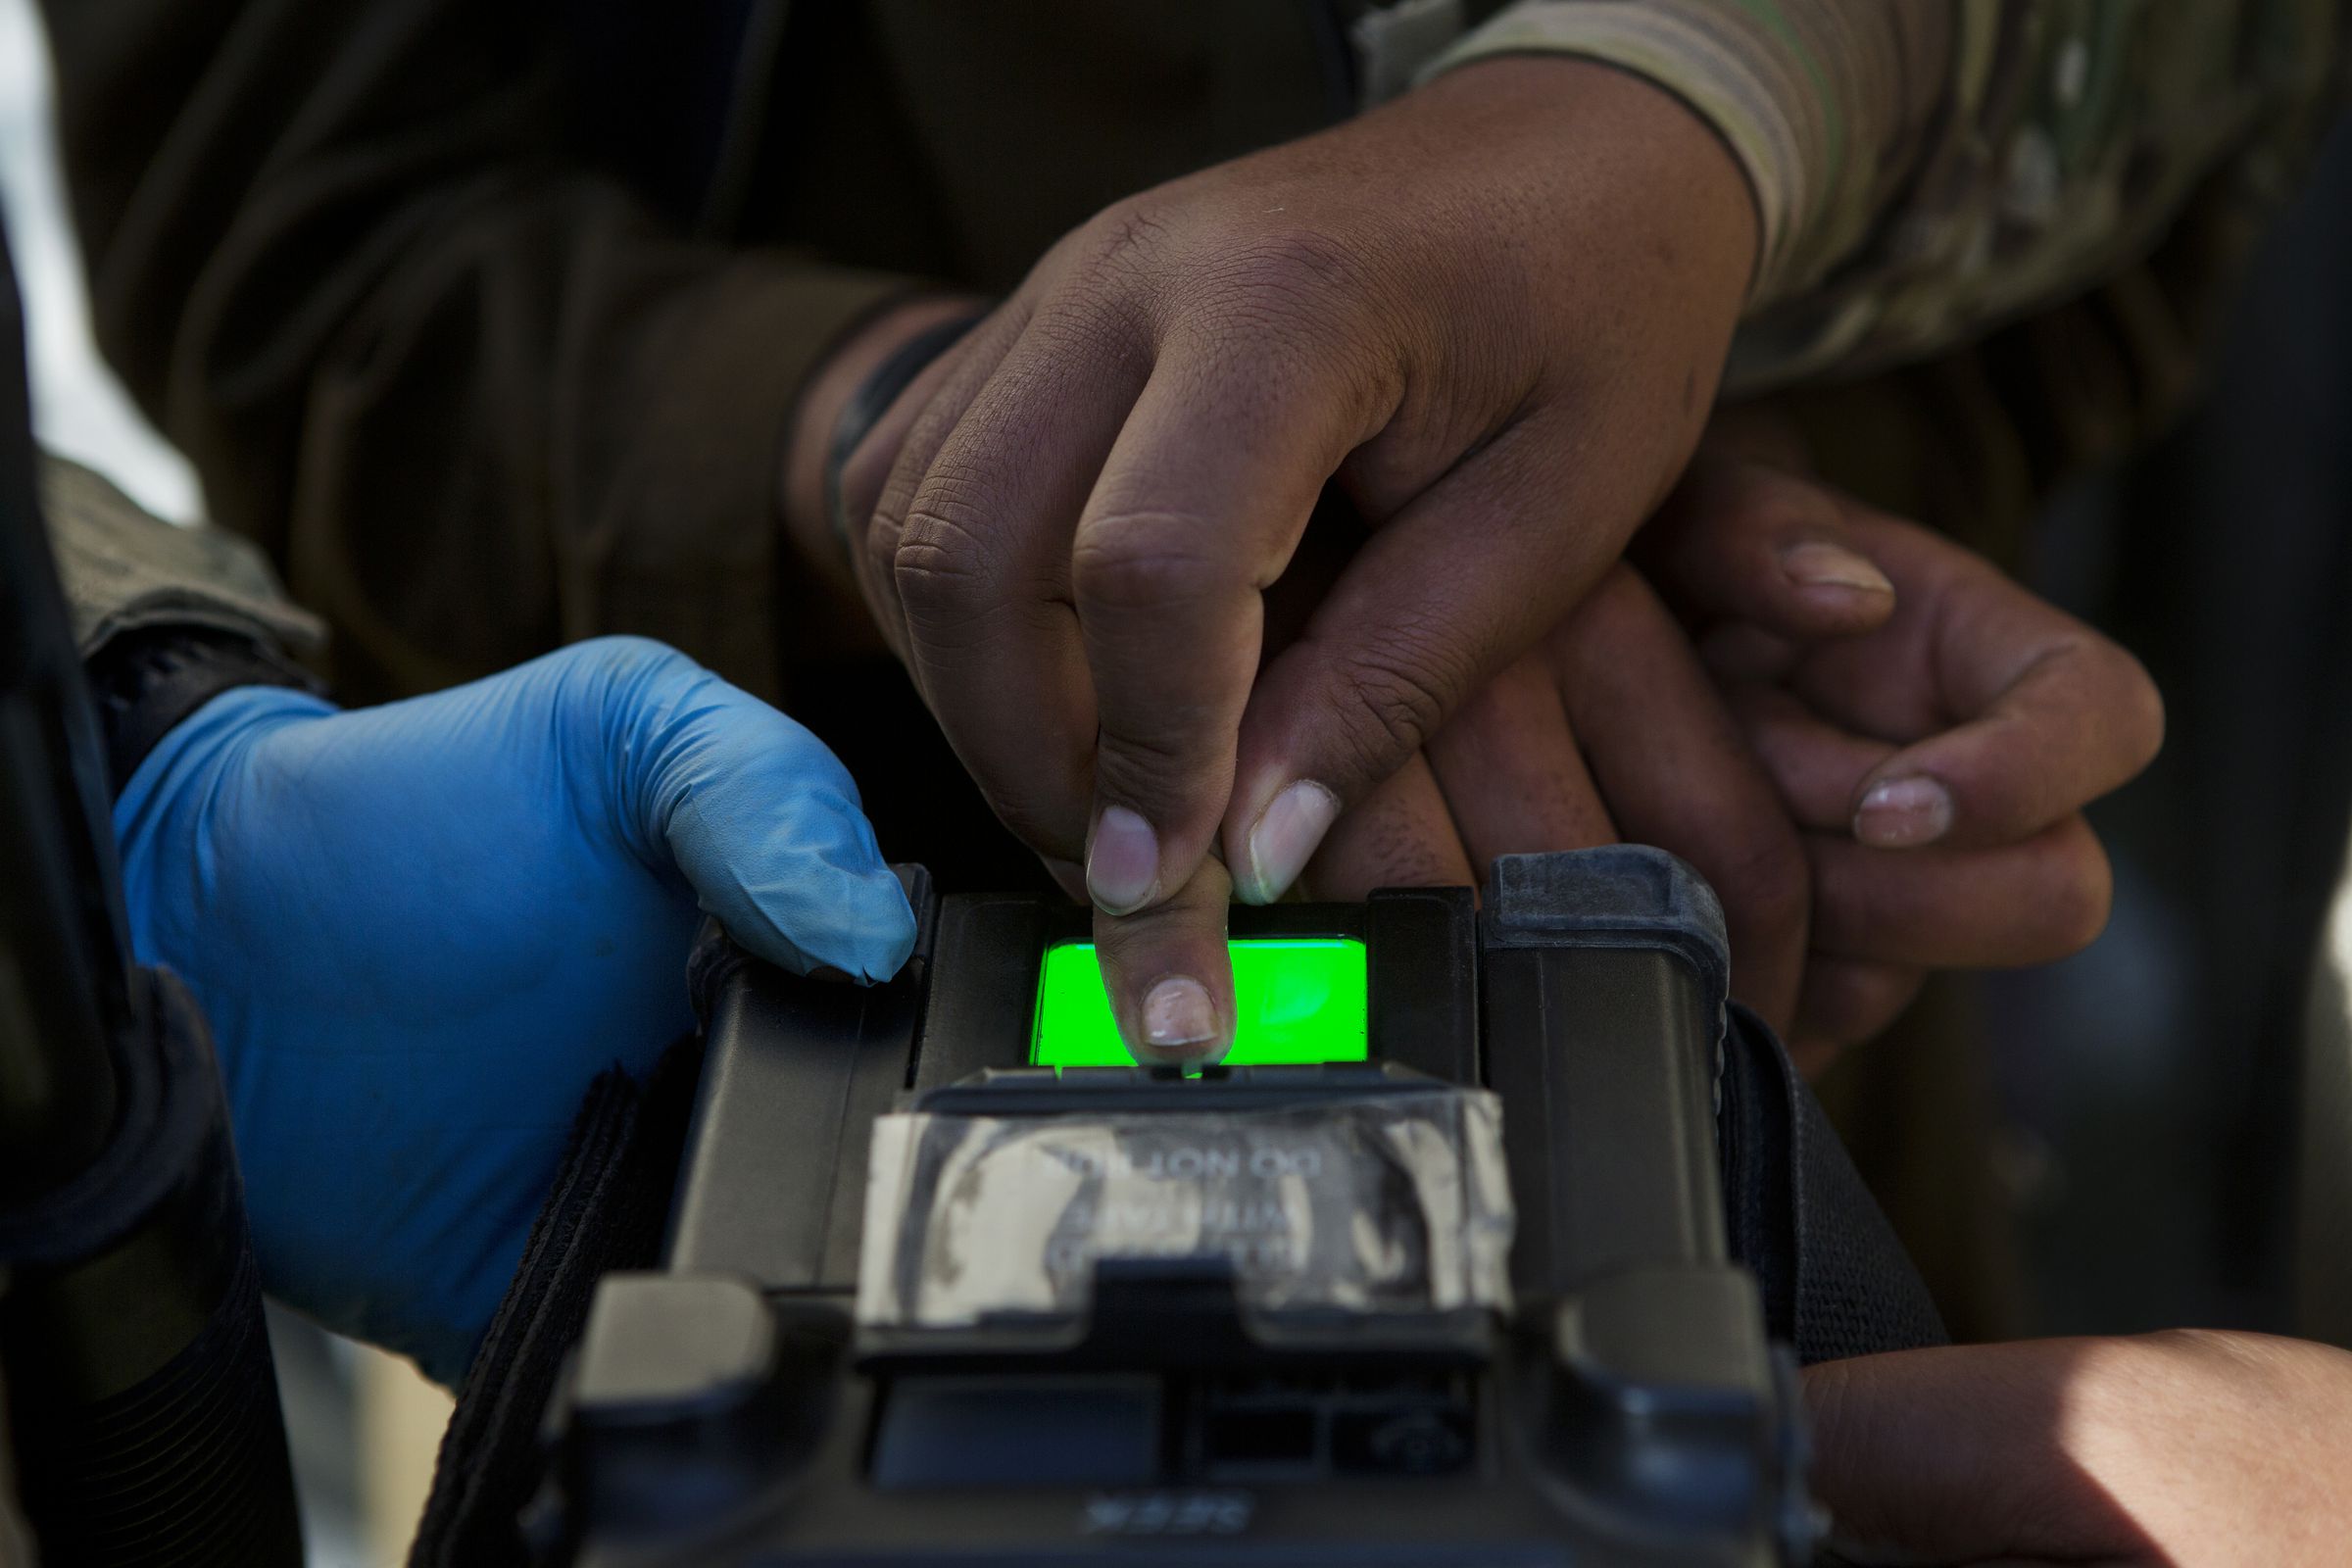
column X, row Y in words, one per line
column 1937, row 762
column 1494, row 310
column 1611, row 728
column 2195, row 1450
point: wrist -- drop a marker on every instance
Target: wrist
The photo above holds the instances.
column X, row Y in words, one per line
column 1824, row 105
column 177, row 817
column 1599, row 139
column 802, row 500
column 147, row 681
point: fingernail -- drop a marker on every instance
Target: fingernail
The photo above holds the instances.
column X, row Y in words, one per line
column 1177, row 1014
column 1284, row 839
column 1814, row 564
column 1122, row 863
column 1903, row 813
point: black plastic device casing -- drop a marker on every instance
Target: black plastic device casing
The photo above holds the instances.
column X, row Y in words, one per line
column 724, row 1412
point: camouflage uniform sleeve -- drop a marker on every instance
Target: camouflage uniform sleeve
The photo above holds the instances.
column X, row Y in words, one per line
column 125, row 571
column 1926, row 169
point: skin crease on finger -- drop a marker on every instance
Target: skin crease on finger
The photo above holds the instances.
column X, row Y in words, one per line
column 1290, row 329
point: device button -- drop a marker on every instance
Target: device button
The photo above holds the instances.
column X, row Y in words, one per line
column 1018, row 1431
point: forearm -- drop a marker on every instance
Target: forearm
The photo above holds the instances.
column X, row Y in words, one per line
column 474, row 398
column 1824, row 103
column 1925, row 172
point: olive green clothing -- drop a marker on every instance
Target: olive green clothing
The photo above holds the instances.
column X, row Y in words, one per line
column 1923, row 171
column 125, row 571
column 419, row 287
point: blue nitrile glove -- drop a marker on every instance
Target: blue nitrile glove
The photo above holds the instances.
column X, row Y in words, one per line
column 420, row 930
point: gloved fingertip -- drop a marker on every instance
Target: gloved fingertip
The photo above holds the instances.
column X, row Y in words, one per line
column 856, row 924
column 890, row 937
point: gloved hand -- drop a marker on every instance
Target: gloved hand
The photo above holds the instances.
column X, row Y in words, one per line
column 420, row 930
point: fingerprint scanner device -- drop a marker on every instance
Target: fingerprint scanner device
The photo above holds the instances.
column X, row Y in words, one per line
column 1298, row 1002
column 1430, row 1270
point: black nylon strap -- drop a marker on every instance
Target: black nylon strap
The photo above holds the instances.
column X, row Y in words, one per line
column 606, row 1211
column 1835, row 1281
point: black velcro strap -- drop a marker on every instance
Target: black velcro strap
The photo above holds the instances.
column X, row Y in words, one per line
column 607, row 1210
column 1835, row 1280
column 145, row 681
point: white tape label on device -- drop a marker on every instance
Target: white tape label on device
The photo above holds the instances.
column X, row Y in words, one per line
column 1388, row 1203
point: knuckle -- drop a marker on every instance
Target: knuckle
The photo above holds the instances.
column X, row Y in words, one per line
column 1103, row 278
column 939, row 596
column 930, row 577
column 2103, row 678
column 2078, row 890
column 1121, row 240
column 940, row 559
column 1282, row 263
column 1095, row 283
column 1283, row 294
column 1176, row 769
column 1142, row 561
column 1139, row 765
column 1395, row 696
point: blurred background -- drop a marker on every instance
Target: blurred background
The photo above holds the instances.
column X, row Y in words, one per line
column 2149, row 1094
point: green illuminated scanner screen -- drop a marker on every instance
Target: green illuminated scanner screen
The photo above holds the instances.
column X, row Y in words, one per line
column 1297, row 999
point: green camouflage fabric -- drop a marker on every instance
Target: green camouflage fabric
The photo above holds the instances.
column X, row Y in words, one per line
column 1926, row 172
column 480, row 382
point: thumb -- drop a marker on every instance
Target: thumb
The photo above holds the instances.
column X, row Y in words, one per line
column 761, row 820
